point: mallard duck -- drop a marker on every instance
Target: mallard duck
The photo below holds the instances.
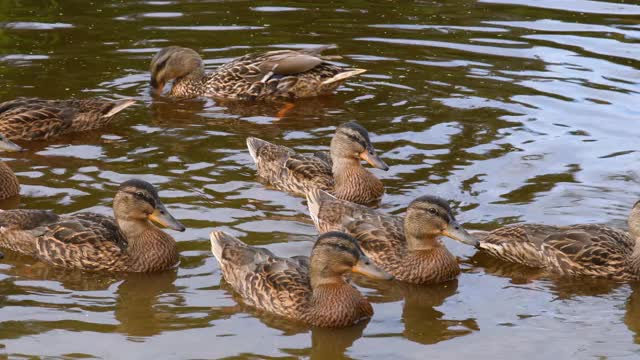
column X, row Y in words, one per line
column 37, row 119
column 96, row 242
column 576, row 250
column 407, row 248
column 339, row 173
column 311, row 290
column 9, row 185
column 284, row 74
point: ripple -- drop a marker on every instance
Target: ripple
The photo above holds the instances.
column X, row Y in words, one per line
column 25, row 25
column 205, row 28
column 275, row 8
column 582, row 6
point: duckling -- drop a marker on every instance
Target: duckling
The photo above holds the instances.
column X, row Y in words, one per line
column 279, row 74
column 9, row 185
column 96, row 242
column 340, row 173
column 577, row 250
column 407, row 248
column 37, row 119
column 311, row 290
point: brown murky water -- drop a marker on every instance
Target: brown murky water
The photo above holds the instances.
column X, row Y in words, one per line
column 515, row 110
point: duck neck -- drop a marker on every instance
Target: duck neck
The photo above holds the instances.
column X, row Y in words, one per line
column 335, row 303
column 428, row 266
column 9, row 185
column 417, row 240
column 427, row 260
column 149, row 248
column 355, row 183
column 190, row 85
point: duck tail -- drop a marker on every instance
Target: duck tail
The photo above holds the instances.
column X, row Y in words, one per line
column 254, row 145
column 315, row 197
column 118, row 106
column 219, row 240
column 480, row 235
column 338, row 78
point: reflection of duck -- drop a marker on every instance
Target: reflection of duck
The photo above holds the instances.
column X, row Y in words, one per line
column 423, row 323
column 136, row 305
column 326, row 343
column 35, row 119
column 285, row 74
column 577, row 250
column 561, row 287
column 407, row 248
column 25, row 267
column 632, row 316
column 334, row 343
column 307, row 114
column 96, row 242
column 9, row 185
column 310, row 290
column 340, row 173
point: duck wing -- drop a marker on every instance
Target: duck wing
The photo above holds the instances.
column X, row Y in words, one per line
column 590, row 249
column 268, row 282
column 33, row 118
column 30, row 119
column 380, row 236
column 287, row 170
column 85, row 240
column 279, row 74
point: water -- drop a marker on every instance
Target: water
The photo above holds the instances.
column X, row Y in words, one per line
column 514, row 110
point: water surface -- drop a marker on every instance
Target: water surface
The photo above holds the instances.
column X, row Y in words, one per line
column 514, row 110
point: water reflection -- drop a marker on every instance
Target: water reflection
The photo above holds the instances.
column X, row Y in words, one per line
column 423, row 322
column 514, row 110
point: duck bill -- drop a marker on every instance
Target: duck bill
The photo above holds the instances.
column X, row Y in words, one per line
column 7, row 145
column 156, row 86
column 366, row 267
column 456, row 232
column 373, row 159
column 162, row 217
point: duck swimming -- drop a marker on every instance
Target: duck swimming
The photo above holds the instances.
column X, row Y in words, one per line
column 339, row 172
column 576, row 250
column 278, row 74
column 38, row 119
column 407, row 248
column 311, row 290
column 96, row 242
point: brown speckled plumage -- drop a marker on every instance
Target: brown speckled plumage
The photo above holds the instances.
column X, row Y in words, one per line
column 577, row 250
column 407, row 248
column 312, row 290
column 278, row 74
column 37, row 119
column 341, row 173
column 9, row 185
column 96, row 242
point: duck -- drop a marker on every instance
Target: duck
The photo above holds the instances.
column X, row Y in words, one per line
column 278, row 74
column 338, row 172
column 88, row 241
column 587, row 250
column 38, row 119
column 407, row 248
column 312, row 290
column 9, row 185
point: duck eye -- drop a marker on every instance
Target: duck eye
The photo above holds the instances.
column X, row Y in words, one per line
column 139, row 194
column 432, row 211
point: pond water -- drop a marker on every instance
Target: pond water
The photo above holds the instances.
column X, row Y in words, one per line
column 514, row 110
